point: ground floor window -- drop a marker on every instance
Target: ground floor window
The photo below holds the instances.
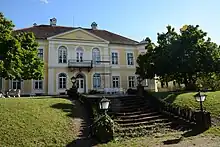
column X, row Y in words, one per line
column 62, row 80
column 1, row 83
column 115, row 81
column 96, row 80
column 38, row 84
column 131, row 81
column 16, row 84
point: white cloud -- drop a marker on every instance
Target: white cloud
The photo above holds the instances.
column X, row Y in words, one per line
column 44, row 1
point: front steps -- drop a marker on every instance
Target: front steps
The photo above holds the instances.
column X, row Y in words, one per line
column 135, row 117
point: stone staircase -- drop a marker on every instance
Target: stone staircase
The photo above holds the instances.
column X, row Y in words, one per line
column 135, row 117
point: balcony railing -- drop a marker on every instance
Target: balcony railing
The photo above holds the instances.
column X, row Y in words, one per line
column 80, row 63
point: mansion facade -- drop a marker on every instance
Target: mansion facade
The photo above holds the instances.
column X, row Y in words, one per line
column 98, row 58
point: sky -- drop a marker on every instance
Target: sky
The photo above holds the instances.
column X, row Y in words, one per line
column 136, row 19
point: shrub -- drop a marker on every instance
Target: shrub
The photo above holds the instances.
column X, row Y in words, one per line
column 209, row 81
column 94, row 92
column 131, row 91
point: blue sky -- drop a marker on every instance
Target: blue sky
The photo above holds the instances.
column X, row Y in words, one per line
column 135, row 19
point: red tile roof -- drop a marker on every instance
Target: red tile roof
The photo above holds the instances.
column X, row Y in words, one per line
column 45, row 31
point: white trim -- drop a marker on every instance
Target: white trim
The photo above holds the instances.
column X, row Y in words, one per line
column 79, row 29
column 57, row 51
column 3, row 83
column 33, row 90
column 134, row 60
column 134, row 81
column 100, row 54
column 115, row 65
column 78, row 43
column 120, row 84
column 92, row 80
column 22, row 86
column 41, row 47
column 85, row 78
column 57, row 81
column 122, row 46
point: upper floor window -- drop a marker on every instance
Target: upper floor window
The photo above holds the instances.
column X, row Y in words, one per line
column 115, row 81
column 41, row 53
column 16, row 84
column 62, row 80
column 38, row 84
column 79, row 54
column 96, row 56
column 114, row 58
column 96, row 80
column 130, row 59
column 62, row 54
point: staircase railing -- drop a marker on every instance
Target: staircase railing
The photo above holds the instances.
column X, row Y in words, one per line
column 171, row 109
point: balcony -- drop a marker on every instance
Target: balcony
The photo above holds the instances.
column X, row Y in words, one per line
column 80, row 64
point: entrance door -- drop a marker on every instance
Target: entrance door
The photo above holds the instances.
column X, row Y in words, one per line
column 80, row 85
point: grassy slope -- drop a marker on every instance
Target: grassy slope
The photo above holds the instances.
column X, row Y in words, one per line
column 211, row 104
column 32, row 122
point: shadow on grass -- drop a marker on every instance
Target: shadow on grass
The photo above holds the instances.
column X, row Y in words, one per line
column 76, row 110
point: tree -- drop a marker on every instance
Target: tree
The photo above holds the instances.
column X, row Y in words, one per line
column 182, row 57
column 18, row 53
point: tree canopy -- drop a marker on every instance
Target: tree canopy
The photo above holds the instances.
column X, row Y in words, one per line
column 18, row 53
column 183, row 56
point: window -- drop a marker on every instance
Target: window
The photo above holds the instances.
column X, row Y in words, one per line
column 79, row 54
column 62, row 80
column 96, row 80
column 0, row 83
column 115, row 81
column 16, row 84
column 114, row 58
column 38, row 84
column 130, row 59
column 41, row 53
column 96, row 56
column 62, row 55
column 131, row 81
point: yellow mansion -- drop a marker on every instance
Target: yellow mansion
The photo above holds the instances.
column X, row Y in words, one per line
column 98, row 58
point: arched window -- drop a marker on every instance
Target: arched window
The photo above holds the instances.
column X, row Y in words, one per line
column 62, row 54
column 96, row 80
column 62, row 80
column 79, row 54
column 96, row 56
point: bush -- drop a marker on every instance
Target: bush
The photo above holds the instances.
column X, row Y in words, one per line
column 94, row 92
column 131, row 91
column 209, row 81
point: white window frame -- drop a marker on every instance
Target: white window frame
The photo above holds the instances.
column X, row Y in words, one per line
column 41, row 54
column 96, row 56
column 16, row 81
column 115, row 79
column 96, row 80
column 38, row 81
column 131, row 79
column 62, row 80
column 114, row 61
column 1, row 83
column 62, row 55
column 79, row 54
column 130, row 59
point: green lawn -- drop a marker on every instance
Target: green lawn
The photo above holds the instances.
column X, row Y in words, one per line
column 34, row 122
column 211, row 104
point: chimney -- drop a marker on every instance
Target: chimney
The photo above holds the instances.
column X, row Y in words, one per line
column 35, row 24
column 94, row 26
column 53, row 22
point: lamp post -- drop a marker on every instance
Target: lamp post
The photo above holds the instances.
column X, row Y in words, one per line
column 200, row 98
column 104, row 104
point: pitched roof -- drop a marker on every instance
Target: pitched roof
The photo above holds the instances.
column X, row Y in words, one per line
column 45, row 31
